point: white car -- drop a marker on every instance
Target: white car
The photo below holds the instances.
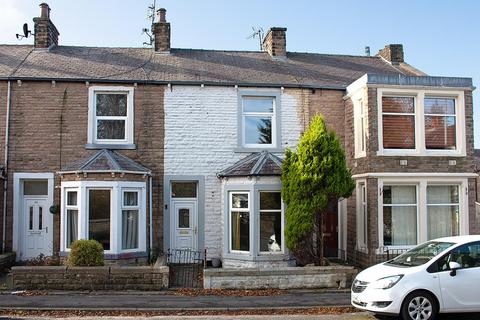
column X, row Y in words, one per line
column 439, row 276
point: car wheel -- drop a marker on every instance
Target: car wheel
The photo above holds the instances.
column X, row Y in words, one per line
column 419, row 305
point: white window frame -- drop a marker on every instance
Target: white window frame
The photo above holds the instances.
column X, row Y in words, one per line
column 138, row 207
column 72, row 207
column 444, row 204
column 276, row 116
column 258, row 218
column 361, row 127
column 92, row 115
column 260, row 114
column 362, row 215
column 443, row 115
column 419, row 98
column 416, row 205
column 248, row 209
column 116, row 188
column 422, row 182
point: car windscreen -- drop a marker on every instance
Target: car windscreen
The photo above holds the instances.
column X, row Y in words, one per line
column 421, row 254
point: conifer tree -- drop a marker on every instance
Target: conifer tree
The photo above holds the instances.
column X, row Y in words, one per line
column 314, row 177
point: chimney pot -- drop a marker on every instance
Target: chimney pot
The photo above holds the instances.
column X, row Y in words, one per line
column 44, row 10
column 162, row 13
column 393, row 53
column 161, row 32
column 46, row 34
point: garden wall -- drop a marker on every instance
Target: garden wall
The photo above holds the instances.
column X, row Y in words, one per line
column 90, row 278
column 281, row 278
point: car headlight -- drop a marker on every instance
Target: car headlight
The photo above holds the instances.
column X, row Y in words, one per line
column 387, row 282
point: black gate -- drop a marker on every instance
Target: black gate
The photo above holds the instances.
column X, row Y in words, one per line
column 186, row 268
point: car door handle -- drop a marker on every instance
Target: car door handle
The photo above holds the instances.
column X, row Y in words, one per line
column 46, row 229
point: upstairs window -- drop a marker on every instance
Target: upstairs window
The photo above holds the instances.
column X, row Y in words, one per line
column 421, row 122
column 259, row 120
column 440, row 123
column 111, row 115
column 398, row 121
column 360, row 124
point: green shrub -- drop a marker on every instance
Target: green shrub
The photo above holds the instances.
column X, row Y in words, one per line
column 86, row 253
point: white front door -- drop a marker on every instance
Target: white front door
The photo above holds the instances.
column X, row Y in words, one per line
column 184, row 224
column 38, row 227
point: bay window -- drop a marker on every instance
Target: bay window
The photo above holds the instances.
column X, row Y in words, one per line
column 111, row 212
column 417, row 209
column 256, row 226
column 421, row 123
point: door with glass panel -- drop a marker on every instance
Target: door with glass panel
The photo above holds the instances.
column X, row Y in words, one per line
column 37, row 220
column 184, row 219
column 37, row 228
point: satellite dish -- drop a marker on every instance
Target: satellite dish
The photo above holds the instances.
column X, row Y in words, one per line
column 25, row 30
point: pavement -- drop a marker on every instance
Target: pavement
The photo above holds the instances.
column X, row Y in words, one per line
column 349, row 316
column 170, row 301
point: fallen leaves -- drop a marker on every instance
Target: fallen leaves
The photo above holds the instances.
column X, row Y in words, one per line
column 90, row 313
column 224, row 292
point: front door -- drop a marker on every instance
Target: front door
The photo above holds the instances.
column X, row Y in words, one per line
column 184, row 224
column 330, row 235
column 38, row 227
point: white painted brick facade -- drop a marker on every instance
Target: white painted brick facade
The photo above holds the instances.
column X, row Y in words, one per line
column 200, row 138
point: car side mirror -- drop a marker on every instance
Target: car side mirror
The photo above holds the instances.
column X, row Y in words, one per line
column 453, row 267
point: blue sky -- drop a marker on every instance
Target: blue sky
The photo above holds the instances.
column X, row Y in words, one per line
column 440, row 37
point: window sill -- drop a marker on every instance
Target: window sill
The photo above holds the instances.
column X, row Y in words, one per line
column 415, row 153
column 250, row 150
column 126, row 146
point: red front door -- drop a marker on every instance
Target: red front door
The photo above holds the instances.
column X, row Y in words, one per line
column 330, row 235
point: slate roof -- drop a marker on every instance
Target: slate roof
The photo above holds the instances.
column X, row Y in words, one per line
column 105, row 161
column 257, row 164
column 191, row 66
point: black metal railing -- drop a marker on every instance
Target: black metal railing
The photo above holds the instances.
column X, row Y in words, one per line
column 186, row 267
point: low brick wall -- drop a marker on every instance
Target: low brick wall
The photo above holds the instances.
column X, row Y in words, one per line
column 7, row 260
column 281, row 278
column 90, row 278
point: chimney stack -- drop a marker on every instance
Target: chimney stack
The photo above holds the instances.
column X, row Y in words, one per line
column 161, row 32
column 393, row 53
column 275, row 42
column 46, row 34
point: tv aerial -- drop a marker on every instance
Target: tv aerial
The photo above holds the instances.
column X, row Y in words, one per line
column 257, row 32
column 26, row 32
column 150, row 16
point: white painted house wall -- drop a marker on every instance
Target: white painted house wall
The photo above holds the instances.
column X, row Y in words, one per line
column 200, row 139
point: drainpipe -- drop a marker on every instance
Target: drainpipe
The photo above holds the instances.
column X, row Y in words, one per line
column 5, row 178
column 150, row 204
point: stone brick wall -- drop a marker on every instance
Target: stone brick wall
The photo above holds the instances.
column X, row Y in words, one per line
column 282, row 278
column 48, row 129
column 90, row 278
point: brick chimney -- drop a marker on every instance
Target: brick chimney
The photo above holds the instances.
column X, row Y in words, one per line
column 275, row 42
column 393, row 53
column 161, row 32
column 46, row 34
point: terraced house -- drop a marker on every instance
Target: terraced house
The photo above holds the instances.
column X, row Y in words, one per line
column 145, row 149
